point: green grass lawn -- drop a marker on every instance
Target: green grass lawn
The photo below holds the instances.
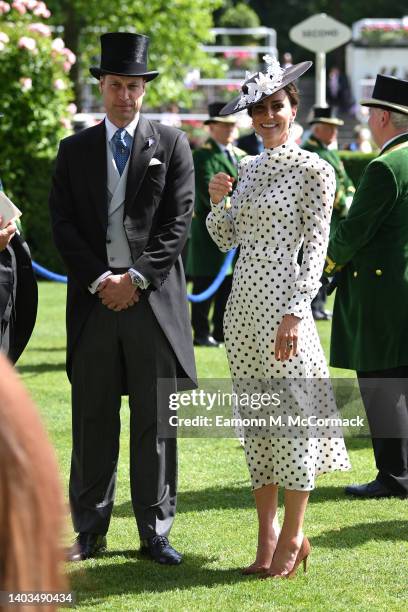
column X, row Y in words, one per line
column 359, row 557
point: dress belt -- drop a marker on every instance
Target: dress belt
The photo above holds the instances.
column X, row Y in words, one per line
column 265, row 253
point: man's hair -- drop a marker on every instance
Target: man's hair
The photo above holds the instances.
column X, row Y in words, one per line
column 399, row 121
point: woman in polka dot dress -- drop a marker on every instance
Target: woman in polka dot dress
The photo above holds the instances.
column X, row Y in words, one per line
column 283, row 200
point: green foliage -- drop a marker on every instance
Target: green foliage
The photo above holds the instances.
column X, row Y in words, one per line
column 177, row 28
column 355, row 163
column 34, row 96
column 240, row 16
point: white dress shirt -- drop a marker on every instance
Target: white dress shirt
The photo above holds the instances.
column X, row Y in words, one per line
column 111, row 129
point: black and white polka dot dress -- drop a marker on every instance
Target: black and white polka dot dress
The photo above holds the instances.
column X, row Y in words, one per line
column 283, row 200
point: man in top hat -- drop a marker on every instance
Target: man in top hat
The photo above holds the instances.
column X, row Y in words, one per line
column 324, row 133
column 121, row 204
column 370, row 331
column 18, row 291
column 204, row 257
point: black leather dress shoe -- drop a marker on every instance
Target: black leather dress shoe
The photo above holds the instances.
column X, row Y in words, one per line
column 370, row 490
column 159, row 549
column 87, row 545
column 207, row 341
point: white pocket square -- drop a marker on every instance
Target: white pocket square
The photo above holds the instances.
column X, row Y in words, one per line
column 155, row 162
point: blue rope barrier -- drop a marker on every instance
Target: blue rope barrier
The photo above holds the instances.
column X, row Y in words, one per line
column 201, row 297
column 47, row 274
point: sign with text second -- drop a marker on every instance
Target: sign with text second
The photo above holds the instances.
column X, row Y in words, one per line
column 320, row 33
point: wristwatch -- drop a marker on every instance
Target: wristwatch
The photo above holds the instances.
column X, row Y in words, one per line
column 137, row 280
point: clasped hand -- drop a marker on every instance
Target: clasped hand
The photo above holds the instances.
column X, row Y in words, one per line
column 6, row 234
column 117, row 292
column 220, row 186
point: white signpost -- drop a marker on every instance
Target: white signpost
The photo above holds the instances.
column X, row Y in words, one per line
column 321, row 34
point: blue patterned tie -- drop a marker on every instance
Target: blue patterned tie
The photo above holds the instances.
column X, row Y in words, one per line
column 122, row 143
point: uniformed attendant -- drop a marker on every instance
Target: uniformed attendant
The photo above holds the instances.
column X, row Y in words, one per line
column 324, row 133
column 18, row 292
column 204, row 257
column 370, row 325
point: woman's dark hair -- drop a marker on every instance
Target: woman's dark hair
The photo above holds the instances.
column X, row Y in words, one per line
column 292, row 93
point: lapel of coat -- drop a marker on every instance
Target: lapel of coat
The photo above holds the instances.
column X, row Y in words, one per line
column 145, row 143
column 229, row 168
column 97, row 172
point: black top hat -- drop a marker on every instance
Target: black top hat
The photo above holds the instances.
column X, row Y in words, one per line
column 124, row 54
column 324, row 114
column 389, row 93
column 213, row 111
column 263, row 84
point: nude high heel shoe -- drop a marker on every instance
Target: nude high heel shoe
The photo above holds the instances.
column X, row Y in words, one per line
column 303, row 554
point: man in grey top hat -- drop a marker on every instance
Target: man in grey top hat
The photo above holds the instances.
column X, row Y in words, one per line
column 121, row 205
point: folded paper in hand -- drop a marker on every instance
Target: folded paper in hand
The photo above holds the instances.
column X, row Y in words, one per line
column 8, row 211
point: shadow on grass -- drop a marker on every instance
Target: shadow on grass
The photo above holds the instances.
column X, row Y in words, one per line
column 45, row 349
column 356, row 535
column 137, row 575
column 232, row 497
column 224, row 498
column 41, row 368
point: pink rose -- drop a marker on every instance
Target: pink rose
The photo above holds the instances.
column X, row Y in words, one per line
column 19, row 7
column 71, row 57
column 4, row 38
column 40, row 28
column 72, row 109
column 28, row 43
column 58, row 45
column 26, row 84
column 41, row 10
column 59, row 85
column 4, row 8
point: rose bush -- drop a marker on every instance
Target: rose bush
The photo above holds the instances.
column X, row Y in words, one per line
column 35, row 97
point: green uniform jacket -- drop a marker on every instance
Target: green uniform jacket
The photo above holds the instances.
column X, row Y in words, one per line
column 344, row 184
column 370, row 319
column 204, row 257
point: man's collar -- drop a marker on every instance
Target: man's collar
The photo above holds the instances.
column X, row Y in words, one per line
column 391, row 141
column 111, row 128
column 315, row 141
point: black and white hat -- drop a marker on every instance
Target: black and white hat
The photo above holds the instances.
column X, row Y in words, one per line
column 260, row 85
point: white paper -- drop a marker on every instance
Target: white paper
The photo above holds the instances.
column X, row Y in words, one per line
column 8, row 211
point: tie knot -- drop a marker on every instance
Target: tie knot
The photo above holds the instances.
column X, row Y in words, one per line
column 121, row 137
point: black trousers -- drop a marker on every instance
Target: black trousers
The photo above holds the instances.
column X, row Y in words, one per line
column 319, row 301
column 200, row 310
column 116, row 348
column 385, row 398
